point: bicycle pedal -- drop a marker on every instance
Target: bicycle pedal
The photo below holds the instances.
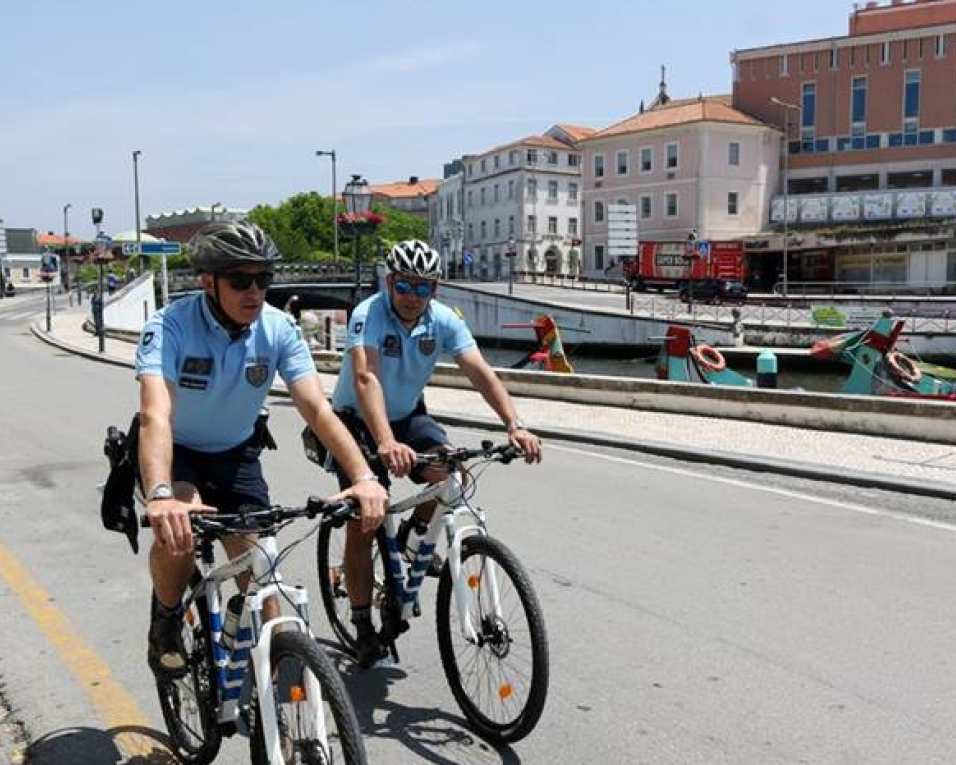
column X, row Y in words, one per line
column 416, row 611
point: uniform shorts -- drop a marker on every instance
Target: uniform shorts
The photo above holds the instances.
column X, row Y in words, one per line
column 225, row 480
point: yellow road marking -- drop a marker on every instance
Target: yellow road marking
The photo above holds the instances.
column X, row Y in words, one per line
column 115, row 707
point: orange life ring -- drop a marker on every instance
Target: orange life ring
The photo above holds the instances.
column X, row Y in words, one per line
column 904, row 367
column 709, row 358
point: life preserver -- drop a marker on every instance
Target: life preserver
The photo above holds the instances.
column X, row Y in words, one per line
column 903, row 367
column 709, row 358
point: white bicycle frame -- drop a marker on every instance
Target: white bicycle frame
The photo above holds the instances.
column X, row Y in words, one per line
column 451, row 507
column 232, row 676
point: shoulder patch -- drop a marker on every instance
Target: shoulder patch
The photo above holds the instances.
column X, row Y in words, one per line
column 358, row 327
column 148, row 338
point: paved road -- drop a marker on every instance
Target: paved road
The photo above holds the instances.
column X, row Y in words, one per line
column 697, row 615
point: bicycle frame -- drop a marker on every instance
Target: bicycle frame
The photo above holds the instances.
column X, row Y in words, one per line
column 451, row 506
column 253, row 638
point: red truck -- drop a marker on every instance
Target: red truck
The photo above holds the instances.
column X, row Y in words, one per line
column 665, row 264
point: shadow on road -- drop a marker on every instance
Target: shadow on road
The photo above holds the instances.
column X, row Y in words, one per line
column 129, row 745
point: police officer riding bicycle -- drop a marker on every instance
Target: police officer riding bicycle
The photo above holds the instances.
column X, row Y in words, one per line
column 394, row 341
column 205, row 365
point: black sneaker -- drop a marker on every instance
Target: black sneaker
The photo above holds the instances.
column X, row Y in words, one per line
column 401, row 539
column 368, row 649
column 167, row 655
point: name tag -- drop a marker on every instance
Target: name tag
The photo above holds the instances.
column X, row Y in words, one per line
column 193, row 383
column 197, row 366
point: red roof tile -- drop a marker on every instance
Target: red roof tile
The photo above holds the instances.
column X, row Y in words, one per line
column 399, row 189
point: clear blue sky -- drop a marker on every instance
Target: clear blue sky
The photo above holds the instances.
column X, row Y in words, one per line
column 229, row 100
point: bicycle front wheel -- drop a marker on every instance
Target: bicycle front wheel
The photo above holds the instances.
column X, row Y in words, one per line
column 501, row 681
column 189, row 703
column 316, row 721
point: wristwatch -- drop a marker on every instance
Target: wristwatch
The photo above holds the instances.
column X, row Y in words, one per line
column 517, row 424
column 159, row 491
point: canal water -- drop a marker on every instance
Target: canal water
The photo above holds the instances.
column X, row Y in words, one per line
column 827, row 380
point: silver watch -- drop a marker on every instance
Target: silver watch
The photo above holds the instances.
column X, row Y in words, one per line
column 159, row 491
column 517, row 424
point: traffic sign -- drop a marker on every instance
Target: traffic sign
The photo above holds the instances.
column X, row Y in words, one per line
column 703, row 248
column 160, row 248
column 131, row 248
column 467, row 258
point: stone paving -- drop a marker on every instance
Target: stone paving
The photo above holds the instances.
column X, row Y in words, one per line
column 837, row 455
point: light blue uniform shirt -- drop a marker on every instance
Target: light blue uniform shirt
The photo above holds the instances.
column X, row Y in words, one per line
column 406, row 359
column 220, row 383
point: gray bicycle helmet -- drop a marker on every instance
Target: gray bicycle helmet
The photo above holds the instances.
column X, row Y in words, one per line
column 414, row 257
column 221, row 246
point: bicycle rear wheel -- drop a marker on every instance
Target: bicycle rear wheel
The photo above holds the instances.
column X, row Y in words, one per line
column 500, row 682
column 188, row 704
column 317, row 723
column 330, row 561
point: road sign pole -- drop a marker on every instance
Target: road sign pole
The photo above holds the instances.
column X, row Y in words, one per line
column 165, row 278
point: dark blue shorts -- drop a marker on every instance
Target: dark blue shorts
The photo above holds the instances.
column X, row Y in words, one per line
column 225, row 480
column 418, row 431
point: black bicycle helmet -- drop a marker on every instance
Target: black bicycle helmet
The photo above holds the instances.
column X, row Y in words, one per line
column 221, row 246
column 414, row 257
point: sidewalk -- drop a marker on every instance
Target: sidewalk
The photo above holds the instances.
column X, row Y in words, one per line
column 893, row 464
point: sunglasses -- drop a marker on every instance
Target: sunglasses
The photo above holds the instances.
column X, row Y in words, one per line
column 241, row 280
column 421, row 289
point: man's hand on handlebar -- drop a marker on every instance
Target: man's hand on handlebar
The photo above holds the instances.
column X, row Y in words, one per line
column 372, row 499
column 169, row 519
column 398, row 458
column 528, row 443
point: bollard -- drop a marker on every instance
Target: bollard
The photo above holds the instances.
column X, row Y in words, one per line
column 767, row 369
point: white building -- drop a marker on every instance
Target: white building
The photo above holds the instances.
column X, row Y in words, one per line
column 524, row 195
column 447, row 222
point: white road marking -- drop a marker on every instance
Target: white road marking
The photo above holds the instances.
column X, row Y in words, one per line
column 941, row 525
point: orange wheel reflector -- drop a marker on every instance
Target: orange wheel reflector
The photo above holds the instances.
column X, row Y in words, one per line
column 505, row 691
column 473, row 581
column 298, row 693
column 191, row 618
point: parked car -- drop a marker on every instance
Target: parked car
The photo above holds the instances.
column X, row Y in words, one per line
column 10, row 290
column 715, row 291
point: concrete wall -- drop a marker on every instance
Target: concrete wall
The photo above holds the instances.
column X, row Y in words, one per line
column 129, row 307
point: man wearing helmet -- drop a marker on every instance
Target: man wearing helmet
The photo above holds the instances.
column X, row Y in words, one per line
column 394, row 341
column 205, row 365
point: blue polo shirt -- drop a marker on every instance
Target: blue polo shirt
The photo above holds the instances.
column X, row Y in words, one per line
column 406, row 358
column 220, row 383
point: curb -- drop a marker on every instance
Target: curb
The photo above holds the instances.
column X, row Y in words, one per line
column 805, row 470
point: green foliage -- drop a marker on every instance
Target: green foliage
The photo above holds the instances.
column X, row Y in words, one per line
column 302, row 228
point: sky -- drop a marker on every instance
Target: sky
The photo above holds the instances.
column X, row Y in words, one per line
column 228, row 101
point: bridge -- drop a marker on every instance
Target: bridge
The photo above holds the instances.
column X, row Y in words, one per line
column 328, row 284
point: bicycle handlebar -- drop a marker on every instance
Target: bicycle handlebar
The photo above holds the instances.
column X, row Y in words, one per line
column 255, row 519
column 503, row 453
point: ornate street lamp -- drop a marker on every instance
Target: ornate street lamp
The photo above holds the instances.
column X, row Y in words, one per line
column 358, row 205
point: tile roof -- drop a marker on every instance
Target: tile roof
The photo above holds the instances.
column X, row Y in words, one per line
column 679, row 112
column 421, row 187
column 56, row 240
column 577, row 132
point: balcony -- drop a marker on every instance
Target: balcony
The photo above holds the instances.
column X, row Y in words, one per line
column 865, row 206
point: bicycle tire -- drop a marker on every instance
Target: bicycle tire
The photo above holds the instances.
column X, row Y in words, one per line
column 507, row 719
column 345, row 735
column 197, row 741
column 330, row 562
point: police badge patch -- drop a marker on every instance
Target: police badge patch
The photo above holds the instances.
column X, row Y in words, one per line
column 148, row 338
column 357, row 329
column 426, row 345
column 257, row 374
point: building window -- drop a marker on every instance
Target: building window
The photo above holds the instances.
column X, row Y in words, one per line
column 484, row 231
column 834, row 58
column 733, row 203
column 497, row 227
column 598, row 211
column 647, row 159
column 532, row 189
column 471, row 169
column 671, row 204
column 733, row 153
column 572, row 192
column 572, row 226
column 911, row 100
column 809, row 116
column 532, row 156
column 858, row 105
column 483, row 166
column 512, row 157
column 622, row 163
column 497, row 161
column 598, row 165
column 552, row 157
column 494, row 195
column 471, row 232
column 511, row 189
column 511, row 225
column 673, row 156
column 532, row 224
column 471, row 199
column 884, row 53
column 646, row 209
column 552, row 191
column 574, row 160
column 940, row 46
column 784, row 72
column 552, row 224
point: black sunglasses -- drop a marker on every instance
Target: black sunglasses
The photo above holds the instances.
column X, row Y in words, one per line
column 421, row 289
column 241, row 280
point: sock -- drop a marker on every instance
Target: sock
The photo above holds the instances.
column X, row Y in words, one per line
column 362, row 615
column 164, row 611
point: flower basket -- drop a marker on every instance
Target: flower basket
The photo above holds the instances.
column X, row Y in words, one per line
column 360, row 224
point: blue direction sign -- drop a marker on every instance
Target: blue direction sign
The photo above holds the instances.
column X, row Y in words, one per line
column 703, row 248
column 160, row 248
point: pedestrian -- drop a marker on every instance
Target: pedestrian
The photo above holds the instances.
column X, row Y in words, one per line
column 111, row 282
column 393, row 342
column 205, row 364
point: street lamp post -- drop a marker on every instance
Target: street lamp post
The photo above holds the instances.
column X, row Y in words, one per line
column 142, row 258
column 335, row 203
column 101, row 257
column 212, row 210
column 511, row 254
column 691, row 254
column 786, row 183
column 358, row 203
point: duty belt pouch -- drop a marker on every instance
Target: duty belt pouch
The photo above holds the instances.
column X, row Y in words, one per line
column 261, row 435
column 118, row 507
